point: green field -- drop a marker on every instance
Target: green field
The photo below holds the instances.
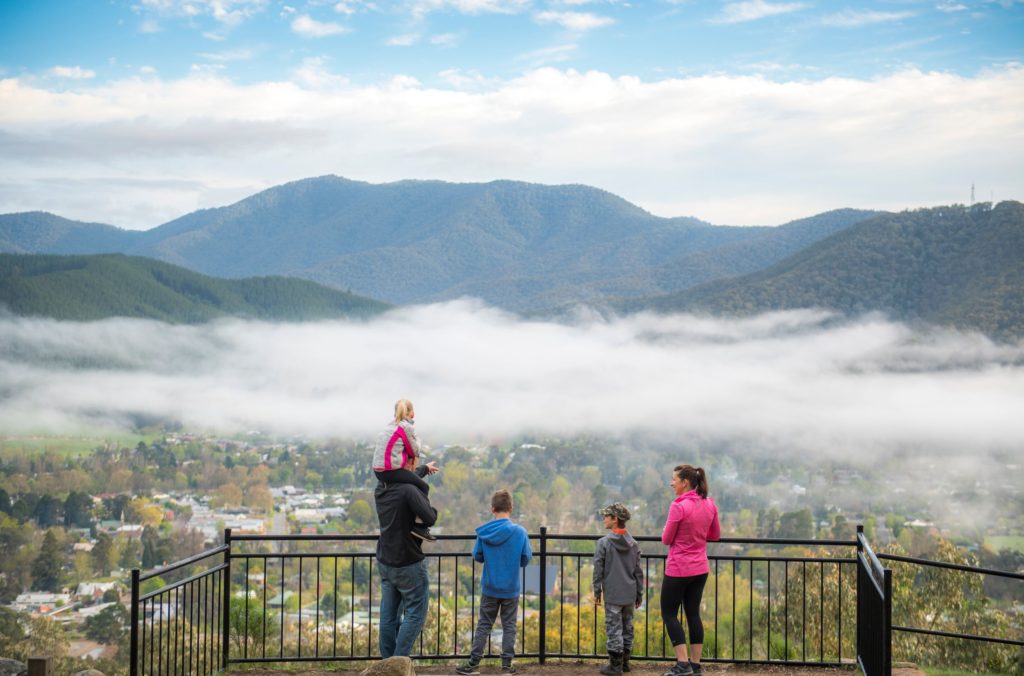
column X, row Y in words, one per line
column 1000, row 542
column 65, row 446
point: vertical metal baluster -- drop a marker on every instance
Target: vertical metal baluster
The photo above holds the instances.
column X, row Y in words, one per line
column 732, row 646
column 455, row 636
column 334, row 614
column 369, row 639
column 352, row 609
column 803, row 616
column 142, row 641
column 785, row 617
column 266, row 577
column 438, row 651
column 299, row 649
column 280, row 648
column 522, row 628
column 716, row 607
column 472, row 596
column 316, row 622
column 561, row 602
column 160, row 636
column 839, row 567
column 579, row 605
column 769, row 610
column 750, row 613
column 821, row 611
column 647, row 606
column 174, row 625
column 245, row 631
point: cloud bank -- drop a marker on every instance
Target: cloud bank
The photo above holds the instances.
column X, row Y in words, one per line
column 725, row 148
column 799, row 382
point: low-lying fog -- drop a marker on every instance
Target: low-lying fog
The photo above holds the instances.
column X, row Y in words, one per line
column 798, row 381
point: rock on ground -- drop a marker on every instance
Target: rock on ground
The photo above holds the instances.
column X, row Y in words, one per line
column 392, row 666
column 9, row 667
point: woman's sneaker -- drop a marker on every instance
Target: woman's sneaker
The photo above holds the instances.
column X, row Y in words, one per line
column 509, row 669
column 695, row 667
column 679, row 669
column 468, row 668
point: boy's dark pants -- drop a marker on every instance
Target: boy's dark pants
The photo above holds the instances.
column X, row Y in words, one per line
column 618, row 626
column 489, row 608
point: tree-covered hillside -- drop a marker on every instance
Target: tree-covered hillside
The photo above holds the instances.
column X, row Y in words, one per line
column 521, row 246
column 957, row 266
column 113, row 285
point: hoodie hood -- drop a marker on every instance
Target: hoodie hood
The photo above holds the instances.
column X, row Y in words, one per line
column 622, row 543
column 496, row 532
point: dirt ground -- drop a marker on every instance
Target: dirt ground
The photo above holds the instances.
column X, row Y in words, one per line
column 556, row 668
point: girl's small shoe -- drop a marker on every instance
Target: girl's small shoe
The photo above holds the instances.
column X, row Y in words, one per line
column 423, row 533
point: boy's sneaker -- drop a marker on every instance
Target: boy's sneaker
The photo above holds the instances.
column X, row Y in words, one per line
column 423, row 533
column 509, row 669
column 468, row 668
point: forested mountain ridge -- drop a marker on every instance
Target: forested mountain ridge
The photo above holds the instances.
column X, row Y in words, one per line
column 93, row 287
column 957, row 266
column 518, row 245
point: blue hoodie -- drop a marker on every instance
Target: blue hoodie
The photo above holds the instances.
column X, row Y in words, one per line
column 503, row 548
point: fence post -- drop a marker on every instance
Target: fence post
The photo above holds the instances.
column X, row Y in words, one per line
column 226, row 600
column 859, row 590
column 133, row 653
column 542, row 649
column 887, row 614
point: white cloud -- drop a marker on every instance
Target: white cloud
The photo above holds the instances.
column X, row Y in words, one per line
column 309, row 27
column 421, row 7
column 787, row 382
column 728, row 149
column 149, row 26
column 850, row 18
column 231, row 55
column 951, row 7
column 574, row 21
column 751, row 10
column 547, row 55
column 71, row 72
column 228, row 13
column 407, row 40
column 445, row 39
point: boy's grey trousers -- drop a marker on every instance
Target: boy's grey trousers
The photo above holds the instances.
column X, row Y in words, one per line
column 618, row 625
column 489, row 608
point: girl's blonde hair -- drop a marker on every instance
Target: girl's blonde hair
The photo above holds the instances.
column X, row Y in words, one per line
column 403, row 410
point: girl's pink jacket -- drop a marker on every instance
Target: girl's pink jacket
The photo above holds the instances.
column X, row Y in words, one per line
column 692, row 521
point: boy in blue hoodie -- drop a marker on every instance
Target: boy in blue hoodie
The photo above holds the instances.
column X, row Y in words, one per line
column 503, row 547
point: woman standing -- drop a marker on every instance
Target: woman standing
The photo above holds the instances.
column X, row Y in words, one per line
column 692, row 521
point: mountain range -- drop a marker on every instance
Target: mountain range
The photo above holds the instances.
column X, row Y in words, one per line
column 520, row 246
column 957, row 266
column 529, row 248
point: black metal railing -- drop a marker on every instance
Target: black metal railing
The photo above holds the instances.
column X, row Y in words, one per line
column 178, row 626
column 920, row 566
column 311, row 598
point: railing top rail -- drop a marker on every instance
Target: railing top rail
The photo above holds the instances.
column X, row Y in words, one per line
column 952, row 566
column 184, row 562
column 536, row 536
column 876, row 567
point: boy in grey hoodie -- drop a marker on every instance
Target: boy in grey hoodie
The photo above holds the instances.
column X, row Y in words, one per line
column 619, row 579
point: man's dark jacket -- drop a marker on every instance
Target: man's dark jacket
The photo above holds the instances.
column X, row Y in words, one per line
column 398, row 505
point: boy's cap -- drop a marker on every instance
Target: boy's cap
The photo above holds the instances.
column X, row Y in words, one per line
column 617, row 510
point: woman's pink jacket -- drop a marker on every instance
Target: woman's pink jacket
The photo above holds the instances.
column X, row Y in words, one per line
column 692, row 521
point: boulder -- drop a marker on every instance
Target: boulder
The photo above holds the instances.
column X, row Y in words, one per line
column 89, row 672
column 392, row 666
column 9, row 667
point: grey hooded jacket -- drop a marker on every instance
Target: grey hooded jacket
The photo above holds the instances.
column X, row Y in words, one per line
column 617, row 573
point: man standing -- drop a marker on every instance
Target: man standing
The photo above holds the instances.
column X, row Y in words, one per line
column 403, row 571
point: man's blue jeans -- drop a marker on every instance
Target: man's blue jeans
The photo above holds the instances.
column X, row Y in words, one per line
column 403, row 607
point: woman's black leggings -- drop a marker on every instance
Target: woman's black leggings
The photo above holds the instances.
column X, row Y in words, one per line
column 685, row 592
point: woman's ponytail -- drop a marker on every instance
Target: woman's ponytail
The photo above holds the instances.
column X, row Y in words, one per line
column 696, row 477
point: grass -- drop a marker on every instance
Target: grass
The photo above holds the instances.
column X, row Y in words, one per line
column 1000, row 542
column 65, row 446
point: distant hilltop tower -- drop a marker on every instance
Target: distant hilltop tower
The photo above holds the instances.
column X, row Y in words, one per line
column 972, row 194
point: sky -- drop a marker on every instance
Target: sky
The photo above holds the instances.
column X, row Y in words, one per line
column 135, row 112
column 797, row 383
